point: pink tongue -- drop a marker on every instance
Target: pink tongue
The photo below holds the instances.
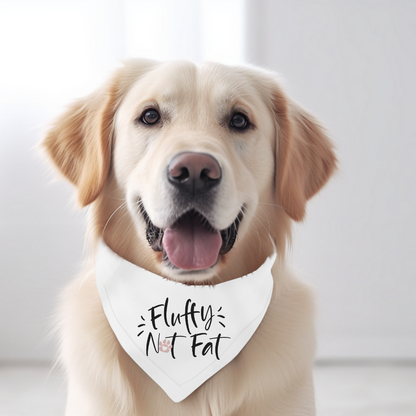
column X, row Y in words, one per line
column 191, row 245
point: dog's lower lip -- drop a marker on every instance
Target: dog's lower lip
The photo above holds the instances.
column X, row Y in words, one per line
column 154, row 235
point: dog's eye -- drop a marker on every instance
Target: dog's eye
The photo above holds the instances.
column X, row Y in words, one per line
column 239, row 121
column 150, row 116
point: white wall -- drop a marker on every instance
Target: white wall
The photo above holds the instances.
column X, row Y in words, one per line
column 50, row 54
column 353, row 64
column 53, row 51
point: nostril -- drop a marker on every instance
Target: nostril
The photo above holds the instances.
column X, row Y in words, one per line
column 210, row 174
column 180, row 174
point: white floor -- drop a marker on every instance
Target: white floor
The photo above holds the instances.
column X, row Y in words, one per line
column 341, row 390
column 371, row 390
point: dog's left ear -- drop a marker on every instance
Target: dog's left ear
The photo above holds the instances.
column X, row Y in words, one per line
column 305, row 157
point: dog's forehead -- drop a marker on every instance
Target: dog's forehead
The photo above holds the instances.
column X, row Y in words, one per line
column 188, row 83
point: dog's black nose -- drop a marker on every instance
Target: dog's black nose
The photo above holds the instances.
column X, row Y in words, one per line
column 194, row 173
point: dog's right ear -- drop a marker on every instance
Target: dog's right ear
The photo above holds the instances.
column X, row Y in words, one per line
column 80, row 141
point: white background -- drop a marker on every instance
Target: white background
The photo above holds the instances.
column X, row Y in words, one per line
column 351, row 63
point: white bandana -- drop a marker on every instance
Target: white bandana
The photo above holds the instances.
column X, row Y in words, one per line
column 180, row 335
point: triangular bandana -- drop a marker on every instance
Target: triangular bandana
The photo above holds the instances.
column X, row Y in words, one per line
column 180, row 335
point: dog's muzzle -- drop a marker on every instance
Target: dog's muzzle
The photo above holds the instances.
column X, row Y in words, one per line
column 191, row 243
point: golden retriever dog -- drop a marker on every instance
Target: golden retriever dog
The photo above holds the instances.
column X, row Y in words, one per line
column 193, row 172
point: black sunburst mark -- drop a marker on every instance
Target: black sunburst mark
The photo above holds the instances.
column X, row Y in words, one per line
column 140, row 326
column 221, row 317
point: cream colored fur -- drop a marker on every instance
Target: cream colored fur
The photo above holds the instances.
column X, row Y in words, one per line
column 272, row 169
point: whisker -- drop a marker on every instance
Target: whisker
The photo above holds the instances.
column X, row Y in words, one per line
column 113, row 197
column 123, row 205
column 262, row 203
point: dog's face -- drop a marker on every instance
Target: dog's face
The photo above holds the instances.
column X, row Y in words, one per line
column 202, row 164
column 193, row 153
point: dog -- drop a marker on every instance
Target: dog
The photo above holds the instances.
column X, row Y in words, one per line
column 173, row 159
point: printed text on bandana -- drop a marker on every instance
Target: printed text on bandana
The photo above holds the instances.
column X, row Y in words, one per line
column 195, row 329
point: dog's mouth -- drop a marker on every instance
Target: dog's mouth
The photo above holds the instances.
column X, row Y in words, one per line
column 191, row 243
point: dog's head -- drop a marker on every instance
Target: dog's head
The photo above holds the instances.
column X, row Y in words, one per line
column 193, row 171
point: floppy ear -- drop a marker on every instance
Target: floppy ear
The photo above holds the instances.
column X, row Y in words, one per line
column 305, row 157
column 80, row 141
